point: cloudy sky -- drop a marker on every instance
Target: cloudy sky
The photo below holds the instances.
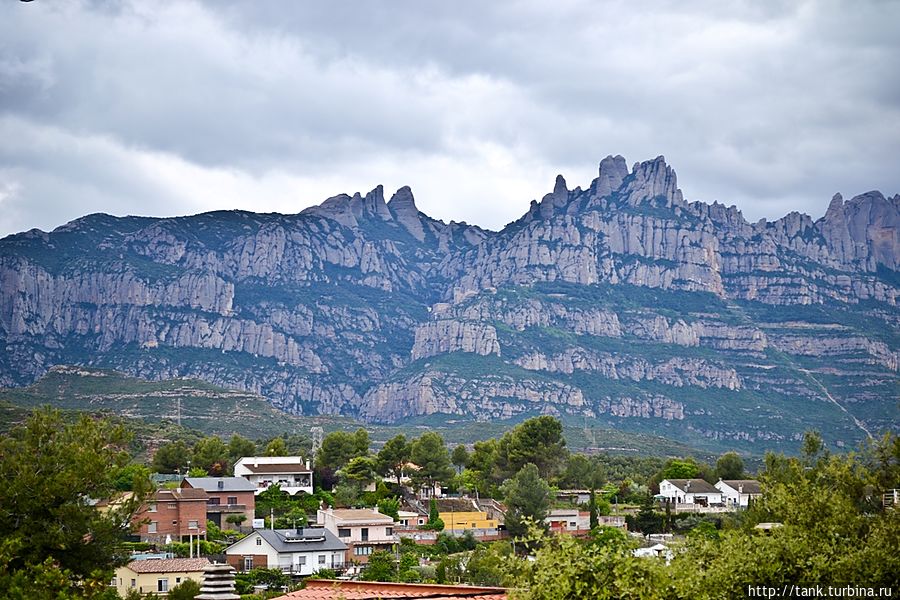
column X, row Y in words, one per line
column 168, row 108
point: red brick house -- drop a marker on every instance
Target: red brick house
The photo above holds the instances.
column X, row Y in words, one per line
column 173, row 516
column 226, row 496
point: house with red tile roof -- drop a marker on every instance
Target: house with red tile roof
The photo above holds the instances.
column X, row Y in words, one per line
column 157, row 575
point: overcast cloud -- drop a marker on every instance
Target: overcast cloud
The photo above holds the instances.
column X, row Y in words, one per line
column 170, row 108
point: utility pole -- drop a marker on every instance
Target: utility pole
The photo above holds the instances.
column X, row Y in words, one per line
column 317, row 435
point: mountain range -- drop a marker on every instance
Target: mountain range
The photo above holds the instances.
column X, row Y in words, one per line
column 621, row 304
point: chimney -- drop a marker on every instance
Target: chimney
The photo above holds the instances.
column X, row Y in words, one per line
column 307, row 464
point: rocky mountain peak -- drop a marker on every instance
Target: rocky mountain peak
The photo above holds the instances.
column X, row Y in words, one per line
column 613, row 171
column 374, row 203
column 402, row 206
column 653, row 179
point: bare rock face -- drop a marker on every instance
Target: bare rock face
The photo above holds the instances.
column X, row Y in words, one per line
column 620, row 302
column 439, row 337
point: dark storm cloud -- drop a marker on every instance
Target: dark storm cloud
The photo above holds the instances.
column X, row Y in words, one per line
column 169, row 108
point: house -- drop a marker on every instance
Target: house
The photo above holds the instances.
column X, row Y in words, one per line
column 410, row 519
column 291, row 473
column 323, row 589
column 568, row 520
column 574, row 496
column 157, row 575
column 737, row 493
column 226, row 496
column 301, row 551
column 364, row 530
column 460, row 514
column 690, row 491
column 173, row 516
column 423, row 492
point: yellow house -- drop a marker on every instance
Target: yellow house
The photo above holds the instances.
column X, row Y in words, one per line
column 157, row 575
column 459, row 515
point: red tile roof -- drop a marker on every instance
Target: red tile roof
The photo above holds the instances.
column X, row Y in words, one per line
column 168, row 565
column 323, row 589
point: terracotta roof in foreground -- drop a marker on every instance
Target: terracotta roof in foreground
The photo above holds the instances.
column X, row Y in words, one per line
column 324, row 589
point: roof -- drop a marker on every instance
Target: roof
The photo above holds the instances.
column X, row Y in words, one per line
column 700, row 486
column 366, row 515
column 229, row 484
column 456, row 505
column 168, row 565
column 324, row 589
column 306, row 539
column 180, row 494
column 748, row 486
column 283, row 468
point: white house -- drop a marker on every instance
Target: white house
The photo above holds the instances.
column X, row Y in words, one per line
column 690, row 491
column 290, row 472
column 301, row 551
column 364, row 530
column 738, row 493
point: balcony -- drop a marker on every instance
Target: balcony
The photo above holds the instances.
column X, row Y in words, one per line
column 290, row 569
column 226, row 508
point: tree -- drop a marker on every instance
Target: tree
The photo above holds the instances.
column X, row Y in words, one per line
column 54, row 542
column 431, row 456
column 527, row 498
column 730, row 466
column 131, row 476
column 380, row 567
column 239, row 447
column 171, row 458
column 460, row 458
column 211, row 455
column 186, row 590
column 579, row 473
column 538, row 441
column 360, row 471
column 434, row 519
column 592, row 508
column 482, row 467
column 339, row 447
column 392, row 456
column 276, row 447
column 390, row 507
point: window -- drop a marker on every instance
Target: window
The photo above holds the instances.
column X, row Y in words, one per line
column 151, row 527
column 134, row 583
column 364, row 534
column 573, row 525
column 172, row 505
column 213, row 501
column 343, row 532
column 321, row 559
column 248, row 563
column 389, row 531
column 151, row 508
column 192, row 524
column 362, row 550
column 162, row 585
column 174, row 522
column 232, row 500
column 301, row 561
column 178, row 580
column 259, row 541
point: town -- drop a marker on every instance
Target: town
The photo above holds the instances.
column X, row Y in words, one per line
column 260, row 520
